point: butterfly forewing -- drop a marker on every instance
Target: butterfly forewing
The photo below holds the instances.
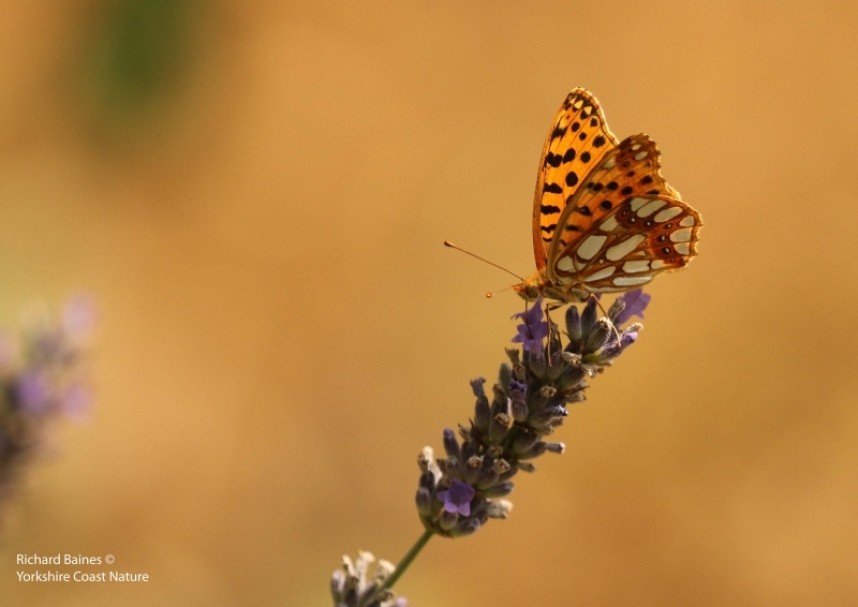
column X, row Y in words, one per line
column 577, row 141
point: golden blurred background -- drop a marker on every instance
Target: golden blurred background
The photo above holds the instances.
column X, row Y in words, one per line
column 256, row 194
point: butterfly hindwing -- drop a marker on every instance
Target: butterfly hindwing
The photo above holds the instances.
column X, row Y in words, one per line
column 643, row 236
column 628, row 172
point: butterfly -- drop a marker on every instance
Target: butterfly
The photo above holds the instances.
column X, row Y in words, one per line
column 604, row 218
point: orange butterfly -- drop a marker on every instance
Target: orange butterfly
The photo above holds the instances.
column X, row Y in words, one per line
column 604, row 219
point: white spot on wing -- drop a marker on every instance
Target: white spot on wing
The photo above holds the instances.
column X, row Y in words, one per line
column 565, row 264
column 603, row 273
column 591, row 245
column 667, row 214
column 636, row 266
column 620, row 250
column 683, row 235
column 687, row 221
column 641, row 155
column 609, row 164
column 630, row 281
column 657, row 264
column 651, row 207
column 610, row 224
column 683, row 248
column 637, row 203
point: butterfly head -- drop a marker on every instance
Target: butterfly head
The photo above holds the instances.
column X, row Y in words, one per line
column 528, row 290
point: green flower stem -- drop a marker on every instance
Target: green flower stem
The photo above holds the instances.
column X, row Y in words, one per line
column 406, row 561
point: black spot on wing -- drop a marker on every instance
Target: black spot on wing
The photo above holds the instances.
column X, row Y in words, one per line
column 571, row 178
column 553, row 159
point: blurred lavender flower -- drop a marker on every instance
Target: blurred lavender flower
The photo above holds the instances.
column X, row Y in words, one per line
column 41, row 379
column 459, row 493
column 353, row 586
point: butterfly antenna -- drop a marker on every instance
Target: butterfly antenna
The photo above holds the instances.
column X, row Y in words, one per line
column 447, row 243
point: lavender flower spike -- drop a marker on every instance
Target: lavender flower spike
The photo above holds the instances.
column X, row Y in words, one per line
column 458, row 494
